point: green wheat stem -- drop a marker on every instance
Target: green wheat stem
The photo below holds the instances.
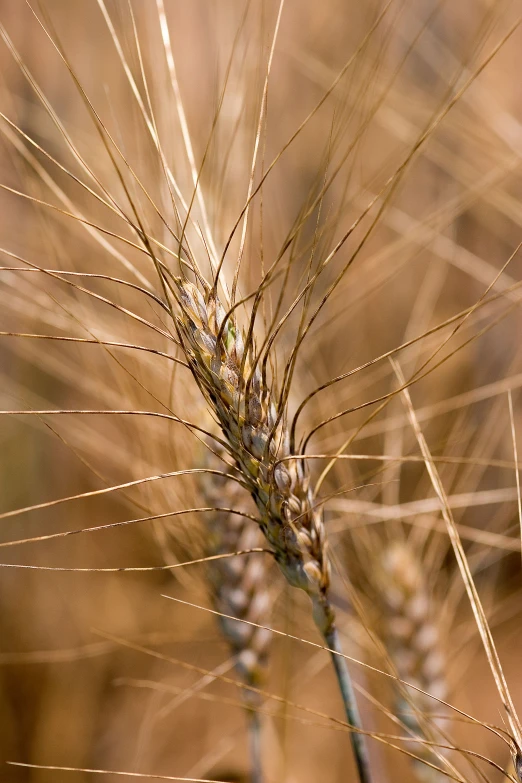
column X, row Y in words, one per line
column 353, row 717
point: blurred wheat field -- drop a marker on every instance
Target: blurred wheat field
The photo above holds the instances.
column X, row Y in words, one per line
column 259, row 330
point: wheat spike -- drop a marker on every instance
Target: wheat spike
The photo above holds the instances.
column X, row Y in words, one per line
column 229, row 377
column 414, row 645
column 247, row 418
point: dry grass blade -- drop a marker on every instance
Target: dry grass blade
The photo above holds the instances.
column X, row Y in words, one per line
column 108, row 772
column 515, row 454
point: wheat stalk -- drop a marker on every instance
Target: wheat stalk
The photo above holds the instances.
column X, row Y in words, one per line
column 226, row 370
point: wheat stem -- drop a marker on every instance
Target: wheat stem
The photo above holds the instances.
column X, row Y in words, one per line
column 344, row 680
column 254, row 730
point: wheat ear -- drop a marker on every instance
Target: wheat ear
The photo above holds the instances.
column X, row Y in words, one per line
column 239, row 396
column 414, row 645
column 240, row 587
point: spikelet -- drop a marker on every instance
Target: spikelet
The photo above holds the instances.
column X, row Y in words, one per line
column 257, row 442
column 414, row 645
column 239, row 586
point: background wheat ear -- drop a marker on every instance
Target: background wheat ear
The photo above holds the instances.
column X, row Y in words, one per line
column 227, row 372
column 414, row 644
column 239, row 587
